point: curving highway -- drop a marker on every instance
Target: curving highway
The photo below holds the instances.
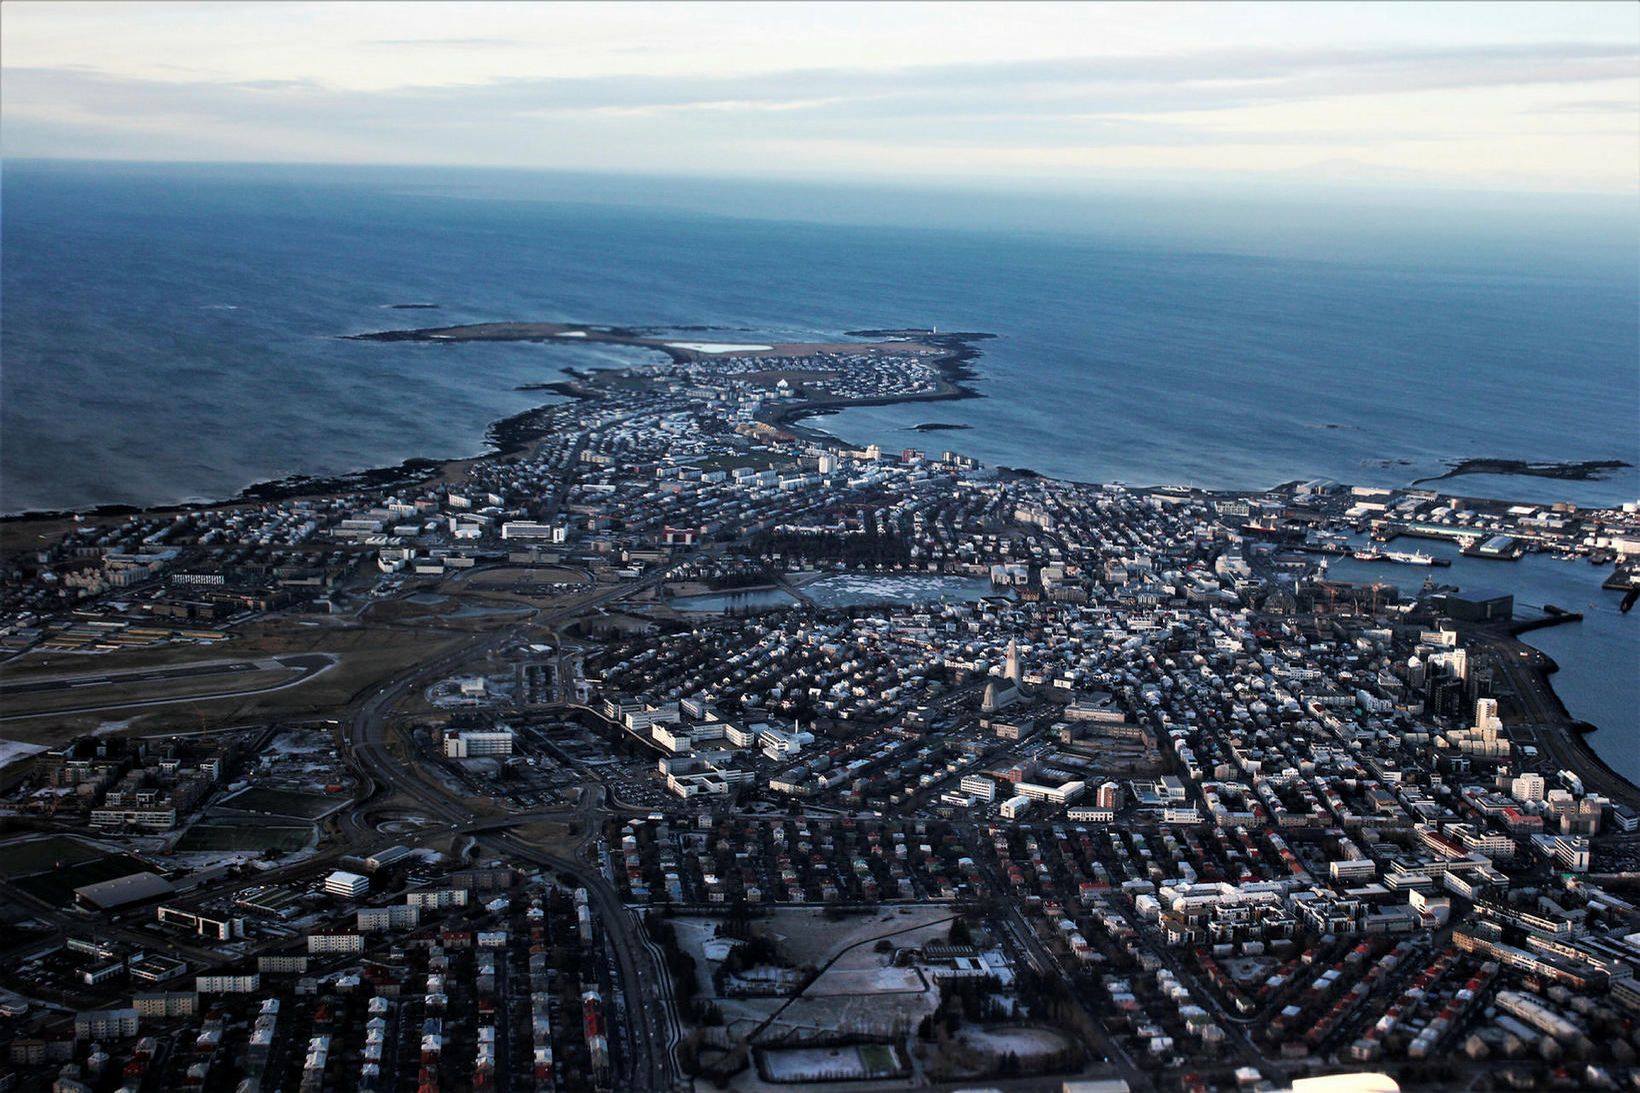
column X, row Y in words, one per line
column 648, row 1029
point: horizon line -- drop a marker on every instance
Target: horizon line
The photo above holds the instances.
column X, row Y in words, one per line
column 1060, row 186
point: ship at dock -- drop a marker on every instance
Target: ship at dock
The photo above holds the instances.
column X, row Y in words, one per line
column 1400, row 557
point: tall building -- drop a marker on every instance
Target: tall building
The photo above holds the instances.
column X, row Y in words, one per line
column 1487, row 722
column 1527, row 787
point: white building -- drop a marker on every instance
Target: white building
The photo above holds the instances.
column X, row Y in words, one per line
column 106, row 1024
column 335, row 941
column 1054, row 795
column 472, row 744
column 778, row 744
column 382, row 858
column 228, row 984
column 376, row 919
column 679, row 738
column 436, row 898
column 343, row 883
column 1528, row 787
column 980, row 786
column 525, row 529
column 1353, row 869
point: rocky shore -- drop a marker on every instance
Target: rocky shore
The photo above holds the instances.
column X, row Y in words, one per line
column 1591, row 470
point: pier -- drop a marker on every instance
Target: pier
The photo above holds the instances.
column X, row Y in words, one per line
column 1552, row 616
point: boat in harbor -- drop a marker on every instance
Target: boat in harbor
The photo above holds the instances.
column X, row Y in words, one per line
column 1413, row 557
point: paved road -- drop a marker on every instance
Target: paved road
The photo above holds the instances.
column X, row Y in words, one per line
column 650, row 1031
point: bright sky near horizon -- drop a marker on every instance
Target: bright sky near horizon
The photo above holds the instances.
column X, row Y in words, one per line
column 1508, row 96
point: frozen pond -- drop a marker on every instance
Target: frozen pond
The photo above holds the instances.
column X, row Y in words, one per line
column 856, row 589
column 754, row 599
column 850, row 590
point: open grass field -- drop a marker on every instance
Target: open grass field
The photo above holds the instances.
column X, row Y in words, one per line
column 1024, row 1042
column 284, row 802
column 463, row 613
column 850, row 1062
column 57, row 885
column 68, row 698
column 21, row 857
column 732, row 462
column 368, row 655
column 31, row 535
column 510, row 575
column 879, row 1059
column 228, row 836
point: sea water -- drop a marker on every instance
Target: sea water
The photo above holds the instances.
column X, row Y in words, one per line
column 176, row 333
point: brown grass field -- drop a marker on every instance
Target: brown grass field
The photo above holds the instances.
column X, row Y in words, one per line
column 368, row 654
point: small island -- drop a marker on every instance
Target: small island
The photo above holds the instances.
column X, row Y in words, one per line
column 1584, row 471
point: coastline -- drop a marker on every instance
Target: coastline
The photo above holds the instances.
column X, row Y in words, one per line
column 512, row 434
column 1574, row 737
column 515, row 433
column 953, row 365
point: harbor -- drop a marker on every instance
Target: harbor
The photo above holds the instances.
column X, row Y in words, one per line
column 1594, row 644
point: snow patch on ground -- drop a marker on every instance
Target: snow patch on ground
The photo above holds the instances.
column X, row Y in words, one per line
column 13, row 750
column 1023, row 1041
column 852, row 981
column 207, row 859
column 718, row 949
column 719, row 347
column 293, row 743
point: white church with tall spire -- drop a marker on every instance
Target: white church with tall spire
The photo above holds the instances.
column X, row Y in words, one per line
column 1012, row 686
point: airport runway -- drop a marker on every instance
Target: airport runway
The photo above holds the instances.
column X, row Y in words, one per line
column 148, row 675
column 308, row 664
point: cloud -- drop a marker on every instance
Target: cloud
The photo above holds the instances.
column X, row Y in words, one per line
column 1011, row 107
column 268, row 85
column 1630, row 107
column 1190, row 81
column 454, row 43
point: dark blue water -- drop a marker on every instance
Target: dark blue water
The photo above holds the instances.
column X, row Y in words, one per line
column 171, row 333
column 127, row 378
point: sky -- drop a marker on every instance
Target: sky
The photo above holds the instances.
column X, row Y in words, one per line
column 1514, row 97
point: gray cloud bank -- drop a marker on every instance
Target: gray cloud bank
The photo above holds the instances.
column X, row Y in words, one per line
column 1054, row 104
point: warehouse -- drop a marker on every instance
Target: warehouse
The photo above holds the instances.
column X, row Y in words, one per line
column 127, row 891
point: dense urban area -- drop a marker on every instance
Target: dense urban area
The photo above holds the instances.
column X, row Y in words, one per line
column 678, row 745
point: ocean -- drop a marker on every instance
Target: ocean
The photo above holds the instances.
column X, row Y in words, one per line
column 172, row 333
